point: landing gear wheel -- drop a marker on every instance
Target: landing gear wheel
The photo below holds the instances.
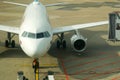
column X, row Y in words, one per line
column 6, row 43
column 64, row 44
column 24, row 78
column 58, row 44
column 13, row 44
column 61, row 42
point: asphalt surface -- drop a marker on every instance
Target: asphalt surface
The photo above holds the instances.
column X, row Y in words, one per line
column 100, row 61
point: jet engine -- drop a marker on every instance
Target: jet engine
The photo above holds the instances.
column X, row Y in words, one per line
column 78, row 43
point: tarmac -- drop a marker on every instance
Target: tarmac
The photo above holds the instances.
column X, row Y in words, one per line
column 100, row 60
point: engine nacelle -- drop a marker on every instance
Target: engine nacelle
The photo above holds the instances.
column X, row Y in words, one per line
column 78, row 43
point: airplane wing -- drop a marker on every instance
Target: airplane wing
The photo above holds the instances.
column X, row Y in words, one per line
column 10, row 29
column 19, row 4
column 56, row 4
column 75, row 27
column 25, row 5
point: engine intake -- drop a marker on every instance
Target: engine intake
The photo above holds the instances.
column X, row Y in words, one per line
column 78, row 43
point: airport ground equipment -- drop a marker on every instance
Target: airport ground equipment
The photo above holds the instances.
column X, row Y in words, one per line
column 20, row 76
column 50, row 76
column 36, row 67
column 114, row 26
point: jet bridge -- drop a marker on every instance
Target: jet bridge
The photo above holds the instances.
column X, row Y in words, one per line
column 114, row 26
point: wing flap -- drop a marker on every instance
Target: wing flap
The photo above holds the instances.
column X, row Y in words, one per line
column 79, row 26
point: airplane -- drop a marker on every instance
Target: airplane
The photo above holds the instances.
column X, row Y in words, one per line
column 35, row 32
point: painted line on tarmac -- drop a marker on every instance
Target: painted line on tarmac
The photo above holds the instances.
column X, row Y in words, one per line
column 66, row 74
column 41, row 65
column 103, row 73
column 101, row 59
column 74, row 58
column 79, row 58
column 116, row 78
column 104, row 65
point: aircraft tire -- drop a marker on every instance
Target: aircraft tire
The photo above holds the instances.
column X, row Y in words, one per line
column 64, row 44
column 58, row 44
column 13, row 44
column 6, row 43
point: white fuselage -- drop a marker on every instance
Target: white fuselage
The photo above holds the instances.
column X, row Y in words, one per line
column 35, row 32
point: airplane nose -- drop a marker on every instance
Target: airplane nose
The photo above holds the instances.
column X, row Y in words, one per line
column 33, row 52
column 36, row 48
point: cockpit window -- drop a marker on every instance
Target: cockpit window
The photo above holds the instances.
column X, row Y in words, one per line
column 24, row 34
column 36, row 35
column 31, row 35
column 40, row 35
column 44, row 34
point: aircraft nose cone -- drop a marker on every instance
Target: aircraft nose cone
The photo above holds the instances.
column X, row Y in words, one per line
column 35, row 48
column 33, row 52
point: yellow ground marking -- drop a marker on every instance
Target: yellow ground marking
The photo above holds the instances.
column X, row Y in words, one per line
column 37, row 74
column 41, row 65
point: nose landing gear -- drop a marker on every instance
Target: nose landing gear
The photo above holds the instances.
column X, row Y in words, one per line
column 35, row 66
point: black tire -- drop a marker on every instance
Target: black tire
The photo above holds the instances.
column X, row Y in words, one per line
column 13, row 44
column 64, row 44
column 58, row 44
column 6, row 43
column 24, row 78
column 33, row 67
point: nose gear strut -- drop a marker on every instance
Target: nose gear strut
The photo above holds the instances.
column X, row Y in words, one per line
column 35, row 66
